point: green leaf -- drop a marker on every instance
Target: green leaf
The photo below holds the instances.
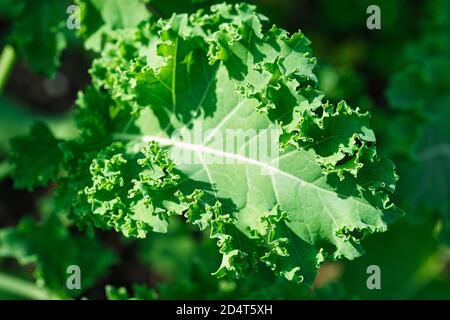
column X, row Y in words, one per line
column 36, row 157
column 225, row 72
column 38, row 33
column 101, row 16
column 165, row 9
column 185, row 264
column 424, row 160
column 425, row 264
column 16, row 119
column 52, row 249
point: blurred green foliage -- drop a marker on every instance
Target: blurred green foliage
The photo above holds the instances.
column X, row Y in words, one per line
column 400, row 73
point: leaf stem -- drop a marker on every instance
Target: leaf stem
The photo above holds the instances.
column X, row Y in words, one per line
column 5, row 169
column 23, row 288
column 7, row 59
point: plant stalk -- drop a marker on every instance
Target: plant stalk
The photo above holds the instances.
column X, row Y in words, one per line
column 22, row 288
column 7, row 59
column 5, row 169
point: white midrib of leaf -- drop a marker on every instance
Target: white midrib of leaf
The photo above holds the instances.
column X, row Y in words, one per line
column 202, row 149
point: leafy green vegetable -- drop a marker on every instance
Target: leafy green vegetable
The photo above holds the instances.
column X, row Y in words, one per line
column 164, row 9
column 412, row 256
column 407, row 264
column 52, row 249
column 38, row 30
column 16, row 119
column 220, row 71
column 165, row 254
column 32, row 172
column 101, row 16
column 424, row 162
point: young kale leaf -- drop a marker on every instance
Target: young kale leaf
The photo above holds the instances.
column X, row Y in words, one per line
column 221, row 72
